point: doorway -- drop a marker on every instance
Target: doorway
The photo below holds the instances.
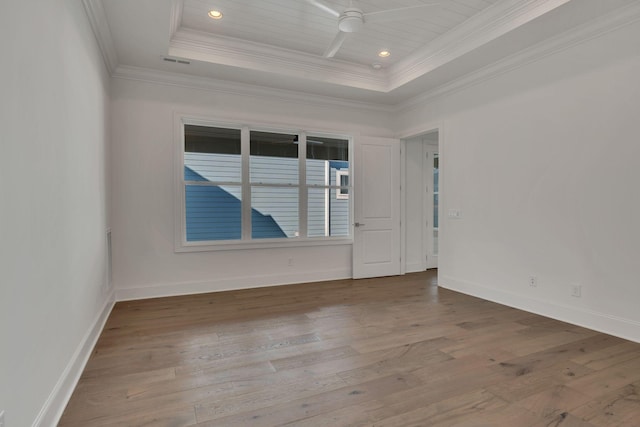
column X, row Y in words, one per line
column 422, row 196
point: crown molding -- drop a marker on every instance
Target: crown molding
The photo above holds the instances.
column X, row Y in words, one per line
column 98, row 20
column 241, row 89
column 200, row 46
column 593, row 29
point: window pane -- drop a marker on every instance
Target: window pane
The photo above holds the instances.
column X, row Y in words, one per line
column 274, row 212
column 212, row 154
column 435, row 210
column 328, row 165
column 436, row 200
column 213, row 212
column 327, row 215
column 274, row 158
column 327, row 148
column 436, row 173
column 325, row 156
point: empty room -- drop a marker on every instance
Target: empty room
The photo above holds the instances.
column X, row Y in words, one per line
column 319, row 213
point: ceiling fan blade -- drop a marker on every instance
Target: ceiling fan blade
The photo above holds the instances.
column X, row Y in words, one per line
column 324, row 6
column 335, row 44
column 397, row 14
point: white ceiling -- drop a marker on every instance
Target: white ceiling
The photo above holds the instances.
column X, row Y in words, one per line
column 280, row 43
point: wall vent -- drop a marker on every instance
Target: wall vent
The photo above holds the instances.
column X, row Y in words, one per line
column 176, row 60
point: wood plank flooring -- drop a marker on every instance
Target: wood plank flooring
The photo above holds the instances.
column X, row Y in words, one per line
column 394, row 351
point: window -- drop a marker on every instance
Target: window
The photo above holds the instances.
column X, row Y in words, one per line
column 436, row 200
column 212, row 183
column 327, row 159
column 274, row 175
column 246, row 187
column 342, row 179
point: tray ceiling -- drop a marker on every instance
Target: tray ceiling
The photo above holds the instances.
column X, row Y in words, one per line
column 303, row 27
column 280, row 43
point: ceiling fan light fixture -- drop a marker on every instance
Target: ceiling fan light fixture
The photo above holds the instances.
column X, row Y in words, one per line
column 350, row 20
column 215, row 14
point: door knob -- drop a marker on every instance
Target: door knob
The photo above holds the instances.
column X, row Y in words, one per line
column 358, row 224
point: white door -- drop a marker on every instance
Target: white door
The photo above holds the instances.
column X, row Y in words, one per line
column 376, row 239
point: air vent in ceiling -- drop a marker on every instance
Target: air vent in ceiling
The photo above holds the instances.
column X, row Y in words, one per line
column 176, row 60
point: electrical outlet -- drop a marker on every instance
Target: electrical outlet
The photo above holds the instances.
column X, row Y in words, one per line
column 533, row 281
column 576, row 290
column 454, row 214
column 290, row 262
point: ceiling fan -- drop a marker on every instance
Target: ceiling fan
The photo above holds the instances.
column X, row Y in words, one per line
column 352, row 18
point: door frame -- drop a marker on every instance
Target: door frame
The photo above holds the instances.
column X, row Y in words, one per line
column 412, row 134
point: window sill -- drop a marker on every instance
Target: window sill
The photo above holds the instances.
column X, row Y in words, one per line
column 260, row 244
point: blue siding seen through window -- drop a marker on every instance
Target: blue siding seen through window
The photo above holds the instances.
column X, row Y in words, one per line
column 212, row 213
column 278, row 212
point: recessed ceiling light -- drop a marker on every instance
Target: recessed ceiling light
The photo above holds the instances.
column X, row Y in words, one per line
column 215, row 14
column 384, row 53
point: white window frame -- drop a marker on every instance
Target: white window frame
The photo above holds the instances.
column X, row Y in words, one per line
column 339, row 194
column 180, row 241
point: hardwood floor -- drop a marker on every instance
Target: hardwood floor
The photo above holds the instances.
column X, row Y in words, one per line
column 394, row 351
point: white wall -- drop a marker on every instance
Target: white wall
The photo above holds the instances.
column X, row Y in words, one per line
column 544, row 162
column 53, row 204
column 145, row 263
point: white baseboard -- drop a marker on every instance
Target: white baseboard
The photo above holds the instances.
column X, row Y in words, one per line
column 230, row 284
column 601, row 322
column 54, row 406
